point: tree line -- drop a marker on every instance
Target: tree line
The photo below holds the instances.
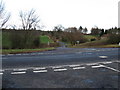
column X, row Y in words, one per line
column 28, row 35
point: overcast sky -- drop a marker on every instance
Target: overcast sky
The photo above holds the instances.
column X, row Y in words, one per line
column 69, row 13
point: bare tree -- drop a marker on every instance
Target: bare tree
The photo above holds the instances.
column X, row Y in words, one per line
column 58, row 28
column 29, row 20
column 4, row 16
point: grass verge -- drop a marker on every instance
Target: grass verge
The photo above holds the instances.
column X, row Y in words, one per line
column 15, row 51
column 96, row 44
column 99, row 46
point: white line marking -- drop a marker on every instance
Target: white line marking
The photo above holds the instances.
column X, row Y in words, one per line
column 112, row 68
column 74, row 65
column 97, row 66
column 56, row 67
column 103, row 56
column 2, row 70
column 92, row 64
column 79, row 68
column 57, row 70
column 39, row 68
column 40, row 71
column 118, row 61
column 18, row 72
column 1, row 73
column 107, row 62
column 19, row 69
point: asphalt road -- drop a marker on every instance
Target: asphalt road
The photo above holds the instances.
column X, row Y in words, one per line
column 62, row 68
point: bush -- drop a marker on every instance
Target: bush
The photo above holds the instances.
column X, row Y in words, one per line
column 20, row 39
column 93, row 39
column 114, row 38
column 36, row 42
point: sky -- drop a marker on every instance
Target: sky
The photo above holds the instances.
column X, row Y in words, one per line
column 68, row 13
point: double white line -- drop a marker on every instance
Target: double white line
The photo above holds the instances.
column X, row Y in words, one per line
column 19, row 71
column 40, row 70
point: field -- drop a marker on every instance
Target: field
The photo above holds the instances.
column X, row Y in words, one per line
column 89, row 37
column 45, row 39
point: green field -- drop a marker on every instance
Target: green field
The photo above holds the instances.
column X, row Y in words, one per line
column 45, row 39
column 89, row 37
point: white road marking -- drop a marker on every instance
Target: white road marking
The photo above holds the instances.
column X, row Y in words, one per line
column 1, row 73
column 40, row 71
column 2, row 70
column 118, row 61
column 107, row 62
column 39, row 68
column 19, row 69
column 74, row 65
column 111, row 68
column 56, row 67
column 18, row 72
column 97, row 66
column 103, row 56
column 78, row 68
column 57, row 70
column 92, row 64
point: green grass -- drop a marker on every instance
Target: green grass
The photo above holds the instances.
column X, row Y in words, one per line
column 89, row 37
column 14, row 51
column 45, row 39
column 96, row 44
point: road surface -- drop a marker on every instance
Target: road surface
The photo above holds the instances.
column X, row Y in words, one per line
column 62, row 68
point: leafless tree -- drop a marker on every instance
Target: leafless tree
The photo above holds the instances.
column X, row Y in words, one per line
column 29, row 20
column 4, row 16
column 58, row 28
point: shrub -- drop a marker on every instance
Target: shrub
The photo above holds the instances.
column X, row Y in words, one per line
column 114, row 38
column 93, row 39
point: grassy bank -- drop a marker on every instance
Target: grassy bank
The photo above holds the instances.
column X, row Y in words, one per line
column 15, row 51
column 45, row 39
column 96, row 44
column 99, row 46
